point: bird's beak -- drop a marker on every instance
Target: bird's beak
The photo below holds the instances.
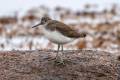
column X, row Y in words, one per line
column 36, row 25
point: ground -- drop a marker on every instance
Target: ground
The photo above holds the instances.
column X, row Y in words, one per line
column 41, row 65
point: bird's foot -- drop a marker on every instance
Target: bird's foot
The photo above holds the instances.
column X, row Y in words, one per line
column 59, row 61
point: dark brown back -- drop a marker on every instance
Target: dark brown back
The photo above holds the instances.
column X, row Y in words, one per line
column 64, row 29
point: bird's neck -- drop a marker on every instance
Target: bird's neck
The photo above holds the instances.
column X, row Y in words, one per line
column 46, row 25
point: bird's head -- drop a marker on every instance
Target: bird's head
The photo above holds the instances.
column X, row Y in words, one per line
column 44, row 20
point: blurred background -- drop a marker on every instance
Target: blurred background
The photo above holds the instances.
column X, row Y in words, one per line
column 100, row 18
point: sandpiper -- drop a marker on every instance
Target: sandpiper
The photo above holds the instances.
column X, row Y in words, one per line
column 58, row 32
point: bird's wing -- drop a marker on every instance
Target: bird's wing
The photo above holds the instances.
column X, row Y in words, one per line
column 63, row 29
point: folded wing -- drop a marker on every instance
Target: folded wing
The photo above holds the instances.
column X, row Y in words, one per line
column 64, row 29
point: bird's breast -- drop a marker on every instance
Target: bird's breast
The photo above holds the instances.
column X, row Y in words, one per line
column 56, row 37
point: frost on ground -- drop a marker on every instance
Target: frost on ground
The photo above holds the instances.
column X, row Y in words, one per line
column 40, row 65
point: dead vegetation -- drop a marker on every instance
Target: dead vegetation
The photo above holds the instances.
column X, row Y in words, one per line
column 103, row 27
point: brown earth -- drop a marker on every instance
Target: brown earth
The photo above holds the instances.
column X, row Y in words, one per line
column 40, row 65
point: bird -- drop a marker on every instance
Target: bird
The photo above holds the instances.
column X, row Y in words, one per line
column 58, row 32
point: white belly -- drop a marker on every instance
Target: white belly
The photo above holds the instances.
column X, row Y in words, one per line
column 56, row 37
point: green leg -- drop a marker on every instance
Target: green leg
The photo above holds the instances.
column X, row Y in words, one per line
column 62, row 49
column 58, row 50
column 62, row 54
column 59, row 60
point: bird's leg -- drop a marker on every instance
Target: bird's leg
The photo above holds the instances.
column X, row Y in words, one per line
column 62, row 54
column 59, row 60
column 57, row 56
column 58, row 51
column 62, row 49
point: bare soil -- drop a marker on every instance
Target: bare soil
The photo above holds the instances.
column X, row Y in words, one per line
column 41, row 65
